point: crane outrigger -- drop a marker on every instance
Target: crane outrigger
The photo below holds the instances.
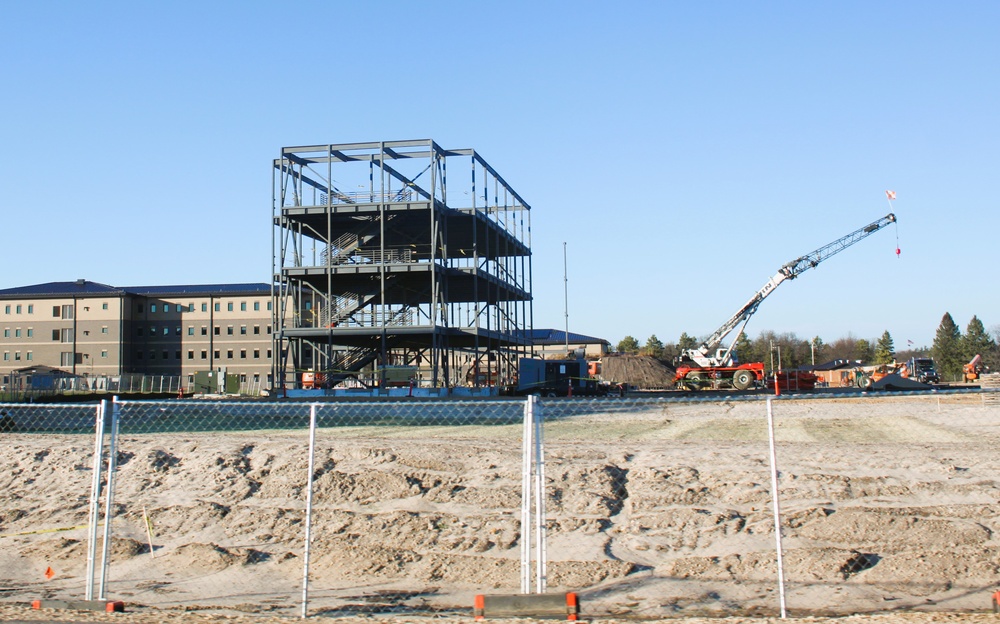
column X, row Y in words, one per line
column 712, row 365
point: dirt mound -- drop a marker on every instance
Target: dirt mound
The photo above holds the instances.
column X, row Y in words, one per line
column 639, row 371
column 204, row 558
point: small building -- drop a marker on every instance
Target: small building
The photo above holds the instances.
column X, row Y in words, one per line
column 556, row 344
column 39, row 377
column 835, row 373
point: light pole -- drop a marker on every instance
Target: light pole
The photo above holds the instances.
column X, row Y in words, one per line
column 566, row 296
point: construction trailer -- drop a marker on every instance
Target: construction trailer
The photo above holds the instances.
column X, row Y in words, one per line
column 381, row 260
column 561, row 378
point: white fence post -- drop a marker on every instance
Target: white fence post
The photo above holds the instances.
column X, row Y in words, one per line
column 109, row 504
column 95, row 497
column 776, row 507
column 540, row 549
column 532, row 492
column 309, row 502
column 526, row 438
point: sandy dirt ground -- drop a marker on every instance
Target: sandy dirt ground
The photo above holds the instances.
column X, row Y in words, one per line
column 654, row 511
column 16, row 614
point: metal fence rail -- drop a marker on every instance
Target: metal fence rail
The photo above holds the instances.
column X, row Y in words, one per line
column 24, row 387
column 646, row 507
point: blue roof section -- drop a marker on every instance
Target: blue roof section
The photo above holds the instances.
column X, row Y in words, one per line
column 199, row 289
column 78, row 287
column 94, row 289
column 556, row 337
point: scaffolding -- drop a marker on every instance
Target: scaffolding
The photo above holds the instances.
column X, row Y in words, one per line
column 384, row 274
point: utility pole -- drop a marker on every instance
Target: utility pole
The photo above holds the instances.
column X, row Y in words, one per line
column 566, row 296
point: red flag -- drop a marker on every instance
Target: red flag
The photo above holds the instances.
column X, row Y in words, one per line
column 890, row 194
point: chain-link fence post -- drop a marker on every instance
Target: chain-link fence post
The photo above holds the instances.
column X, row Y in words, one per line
column 540, row 495
column 776, row 506
column 532, row 498
column 109, row 504
column 309, row 508
column 95, row 497
column 526, row 435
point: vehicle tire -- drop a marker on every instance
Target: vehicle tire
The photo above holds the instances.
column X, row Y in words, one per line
column 864, row 382
column 742, row 379
column 551, row 394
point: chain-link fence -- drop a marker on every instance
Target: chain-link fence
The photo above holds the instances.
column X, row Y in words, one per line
column 31, row 387
column 46, row 479
column 651, row 508
column 890, row 502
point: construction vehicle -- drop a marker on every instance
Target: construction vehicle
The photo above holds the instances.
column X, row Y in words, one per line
column 712, row 366
column 921, row 369
column 865, row 377
column 312, row 380
column 973, row 369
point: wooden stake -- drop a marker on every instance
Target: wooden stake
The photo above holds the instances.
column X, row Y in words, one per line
column 149, row 532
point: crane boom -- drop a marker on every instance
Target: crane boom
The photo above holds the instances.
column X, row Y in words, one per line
column 804, row 263
column 708, row 354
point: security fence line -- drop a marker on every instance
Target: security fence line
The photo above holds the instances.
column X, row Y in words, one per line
column 641, row 507
column 22, row 387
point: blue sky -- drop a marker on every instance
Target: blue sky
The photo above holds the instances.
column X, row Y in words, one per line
column 682, row 151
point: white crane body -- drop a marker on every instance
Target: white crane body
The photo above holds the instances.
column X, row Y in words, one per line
column 711, row 361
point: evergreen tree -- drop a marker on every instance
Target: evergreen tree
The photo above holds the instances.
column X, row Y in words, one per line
column 653, row 347
column 686, row 342
column 977, row 342
column 744, row 349
column 864, row 351
column 628, row 344
column 885, row 352
column 947, row 349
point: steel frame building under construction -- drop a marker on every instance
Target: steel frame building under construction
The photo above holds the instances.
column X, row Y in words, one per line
column 386, row 274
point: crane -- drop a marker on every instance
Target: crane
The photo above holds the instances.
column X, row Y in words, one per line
column 711, row 361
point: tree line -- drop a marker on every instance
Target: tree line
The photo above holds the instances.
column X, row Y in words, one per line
column 951, row 349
